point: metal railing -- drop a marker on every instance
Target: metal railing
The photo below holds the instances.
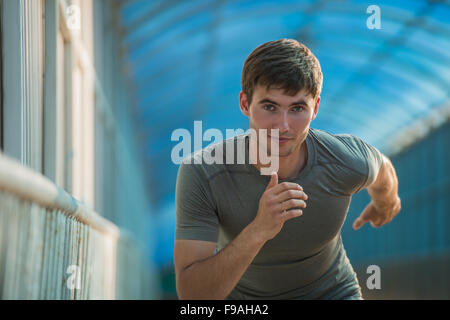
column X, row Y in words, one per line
column 54, row 247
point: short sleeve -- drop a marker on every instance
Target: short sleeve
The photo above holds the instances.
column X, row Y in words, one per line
column 365, row 159
column 374, row 163
column 196, row 217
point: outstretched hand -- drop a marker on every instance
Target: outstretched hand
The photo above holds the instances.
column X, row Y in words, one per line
column 377, row 215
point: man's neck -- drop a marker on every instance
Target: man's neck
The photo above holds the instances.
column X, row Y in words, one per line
column 291, row 165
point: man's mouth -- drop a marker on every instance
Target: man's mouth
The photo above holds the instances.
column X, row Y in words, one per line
column 281, row 139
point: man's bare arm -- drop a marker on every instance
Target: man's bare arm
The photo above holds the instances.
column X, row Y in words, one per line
column 385, row 204
column 202, row 275
column 213, row 276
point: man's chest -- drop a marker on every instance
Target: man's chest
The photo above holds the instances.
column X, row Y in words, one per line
column 322, row 219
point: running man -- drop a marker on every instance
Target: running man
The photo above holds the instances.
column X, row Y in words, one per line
column 244, row 235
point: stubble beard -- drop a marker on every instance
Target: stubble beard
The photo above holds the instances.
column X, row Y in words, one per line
column 295, row 147
column 296, row 144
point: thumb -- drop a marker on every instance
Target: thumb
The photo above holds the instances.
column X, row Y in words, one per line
column 359, row 222
column 364, row 216
column 273, row 180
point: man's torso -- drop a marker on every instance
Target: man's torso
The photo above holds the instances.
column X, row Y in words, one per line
column 307, row 258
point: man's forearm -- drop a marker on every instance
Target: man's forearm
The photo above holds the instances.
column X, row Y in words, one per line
column 216, row 276
column 385, row 204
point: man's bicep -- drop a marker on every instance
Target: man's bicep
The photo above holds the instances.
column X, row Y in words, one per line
column 380, row 173
column 187, row 252
column 375, row 163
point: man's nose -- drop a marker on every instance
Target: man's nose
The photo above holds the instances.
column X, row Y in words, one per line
column 283, row 122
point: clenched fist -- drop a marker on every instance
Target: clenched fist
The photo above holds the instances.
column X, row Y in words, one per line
column 279, row 203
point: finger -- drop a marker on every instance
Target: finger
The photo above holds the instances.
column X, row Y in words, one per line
column 292, row 214
column 364, row 217
column 359, row 223
column 273, row 180
column 290, row 204
column 292, row 194
column 286, row 186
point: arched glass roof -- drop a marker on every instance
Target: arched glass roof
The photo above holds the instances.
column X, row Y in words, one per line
column 184, row 59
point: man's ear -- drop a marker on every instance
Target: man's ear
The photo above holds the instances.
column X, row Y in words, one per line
column 316, row 109
column 243, row 104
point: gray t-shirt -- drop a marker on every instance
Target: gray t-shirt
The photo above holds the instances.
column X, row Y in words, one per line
column 306, row 259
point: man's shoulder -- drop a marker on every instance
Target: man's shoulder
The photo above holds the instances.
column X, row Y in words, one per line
column 346, row 149
column 332, row 138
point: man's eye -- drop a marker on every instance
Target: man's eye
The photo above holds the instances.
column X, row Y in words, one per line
column 269, row 107
column 298, row 108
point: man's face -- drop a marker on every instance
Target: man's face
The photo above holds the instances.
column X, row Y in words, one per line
column 273, row 109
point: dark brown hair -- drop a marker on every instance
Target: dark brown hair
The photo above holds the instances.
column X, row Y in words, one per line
column 283, row 64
